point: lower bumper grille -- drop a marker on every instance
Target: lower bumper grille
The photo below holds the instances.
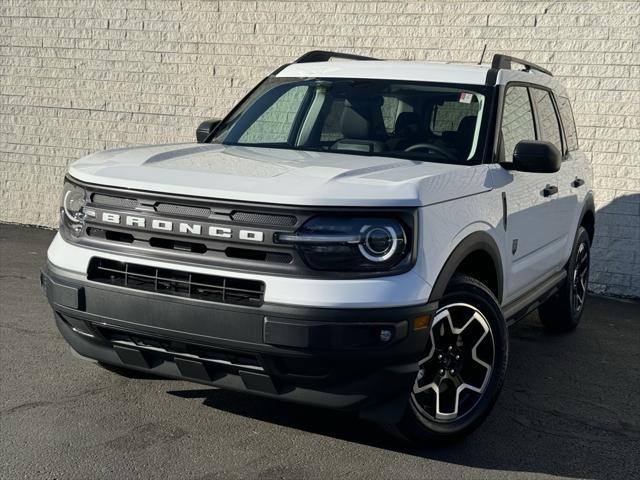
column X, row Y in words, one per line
column 163, row 347
column 210, row 288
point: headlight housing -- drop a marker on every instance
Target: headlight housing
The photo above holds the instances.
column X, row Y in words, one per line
column 72, row 205
column 351, row 244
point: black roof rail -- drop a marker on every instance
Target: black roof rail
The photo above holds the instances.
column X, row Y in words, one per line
column 324, row 56
column 504, row 61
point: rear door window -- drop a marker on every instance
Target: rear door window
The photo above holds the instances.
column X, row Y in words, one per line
column 568, row 122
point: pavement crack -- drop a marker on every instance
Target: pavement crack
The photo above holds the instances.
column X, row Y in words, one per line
column 143, row 436
column 25, row 406
column 19, row 277
column 44, row 403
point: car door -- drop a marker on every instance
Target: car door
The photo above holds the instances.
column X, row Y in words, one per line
column 576, row 169
column 566, row 204
column 532, row 225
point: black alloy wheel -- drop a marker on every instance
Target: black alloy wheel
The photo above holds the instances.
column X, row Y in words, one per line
column 463, row 368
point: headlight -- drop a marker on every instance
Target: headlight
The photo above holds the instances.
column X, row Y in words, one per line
column 72, row 203
column 379, row 243
column 350, row 244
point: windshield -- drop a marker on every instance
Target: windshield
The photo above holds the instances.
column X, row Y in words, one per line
column 412, row 120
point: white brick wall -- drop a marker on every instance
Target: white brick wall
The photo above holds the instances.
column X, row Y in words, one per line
column 78, row 76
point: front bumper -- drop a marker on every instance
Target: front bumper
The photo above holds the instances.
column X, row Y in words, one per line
column 320, row 356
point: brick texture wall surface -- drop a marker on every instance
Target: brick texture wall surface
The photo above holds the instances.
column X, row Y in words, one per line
column 78, row 76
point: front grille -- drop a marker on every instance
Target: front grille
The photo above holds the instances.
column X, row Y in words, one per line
column 180, row 240
column 264, row 219
column 211, row 288
column 186, row 210
column 108, row 200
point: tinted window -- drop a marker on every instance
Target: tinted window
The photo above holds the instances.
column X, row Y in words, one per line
column 390, row 113
column 568, row 122
column 416, row 121
column 547, row 118
column 517, row 120
column 331, row 128
column 447, row 117
column 274, row 124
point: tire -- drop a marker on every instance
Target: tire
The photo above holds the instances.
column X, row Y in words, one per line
column 468, row 337
column 562, row 312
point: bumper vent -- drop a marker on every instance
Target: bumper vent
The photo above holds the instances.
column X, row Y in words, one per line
column 211, row 288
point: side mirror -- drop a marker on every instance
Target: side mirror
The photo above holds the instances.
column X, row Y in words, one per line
column 205, row 128
column 535, row 156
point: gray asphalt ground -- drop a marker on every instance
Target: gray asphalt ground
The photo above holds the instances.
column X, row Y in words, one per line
column 570, row 408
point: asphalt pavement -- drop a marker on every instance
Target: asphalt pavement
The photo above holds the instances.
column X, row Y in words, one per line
column 570, row 408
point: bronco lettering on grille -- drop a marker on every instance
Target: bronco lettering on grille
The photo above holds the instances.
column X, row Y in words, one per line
column 183, row 228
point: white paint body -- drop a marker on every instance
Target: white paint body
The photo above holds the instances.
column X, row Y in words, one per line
column 454, row 201
column 278, row 176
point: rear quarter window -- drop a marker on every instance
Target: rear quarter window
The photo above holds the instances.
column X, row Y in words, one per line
column 568, row 122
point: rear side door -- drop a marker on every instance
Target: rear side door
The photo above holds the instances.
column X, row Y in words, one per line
column 532, row 224
column 578, row 171
column 549, row 128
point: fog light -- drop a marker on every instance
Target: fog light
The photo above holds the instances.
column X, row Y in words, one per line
column 76, row 229
column 385, row 335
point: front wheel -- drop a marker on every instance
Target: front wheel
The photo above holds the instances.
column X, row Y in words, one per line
column 463, row 369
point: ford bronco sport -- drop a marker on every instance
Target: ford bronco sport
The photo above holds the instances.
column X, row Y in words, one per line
column 355, row 234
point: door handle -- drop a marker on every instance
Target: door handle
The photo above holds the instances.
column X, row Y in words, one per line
column 549, row 190
column 578, row 182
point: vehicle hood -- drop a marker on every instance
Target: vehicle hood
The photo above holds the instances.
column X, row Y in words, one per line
column 289, row 177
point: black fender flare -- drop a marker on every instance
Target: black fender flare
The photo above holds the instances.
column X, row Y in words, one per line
column 588, row 206
column 475, row 241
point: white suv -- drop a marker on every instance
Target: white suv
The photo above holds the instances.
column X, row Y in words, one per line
column 356, row 234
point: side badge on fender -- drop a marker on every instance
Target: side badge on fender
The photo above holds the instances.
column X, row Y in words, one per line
column 514, row 246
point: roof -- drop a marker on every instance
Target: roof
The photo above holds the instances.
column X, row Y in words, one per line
column 390, row 70
column 438, row 72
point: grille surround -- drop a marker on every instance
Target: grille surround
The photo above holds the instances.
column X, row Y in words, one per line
column 210, row 288
column 246, row 217
column 273, row 258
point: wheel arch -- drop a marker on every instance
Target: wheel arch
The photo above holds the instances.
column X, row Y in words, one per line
column 473, row 256
column 588, row 216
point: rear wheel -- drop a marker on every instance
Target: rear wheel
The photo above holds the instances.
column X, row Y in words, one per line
column 463, row 369
column 562, row 312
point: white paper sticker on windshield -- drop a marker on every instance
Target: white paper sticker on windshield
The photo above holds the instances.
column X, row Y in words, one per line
column 465, row 97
